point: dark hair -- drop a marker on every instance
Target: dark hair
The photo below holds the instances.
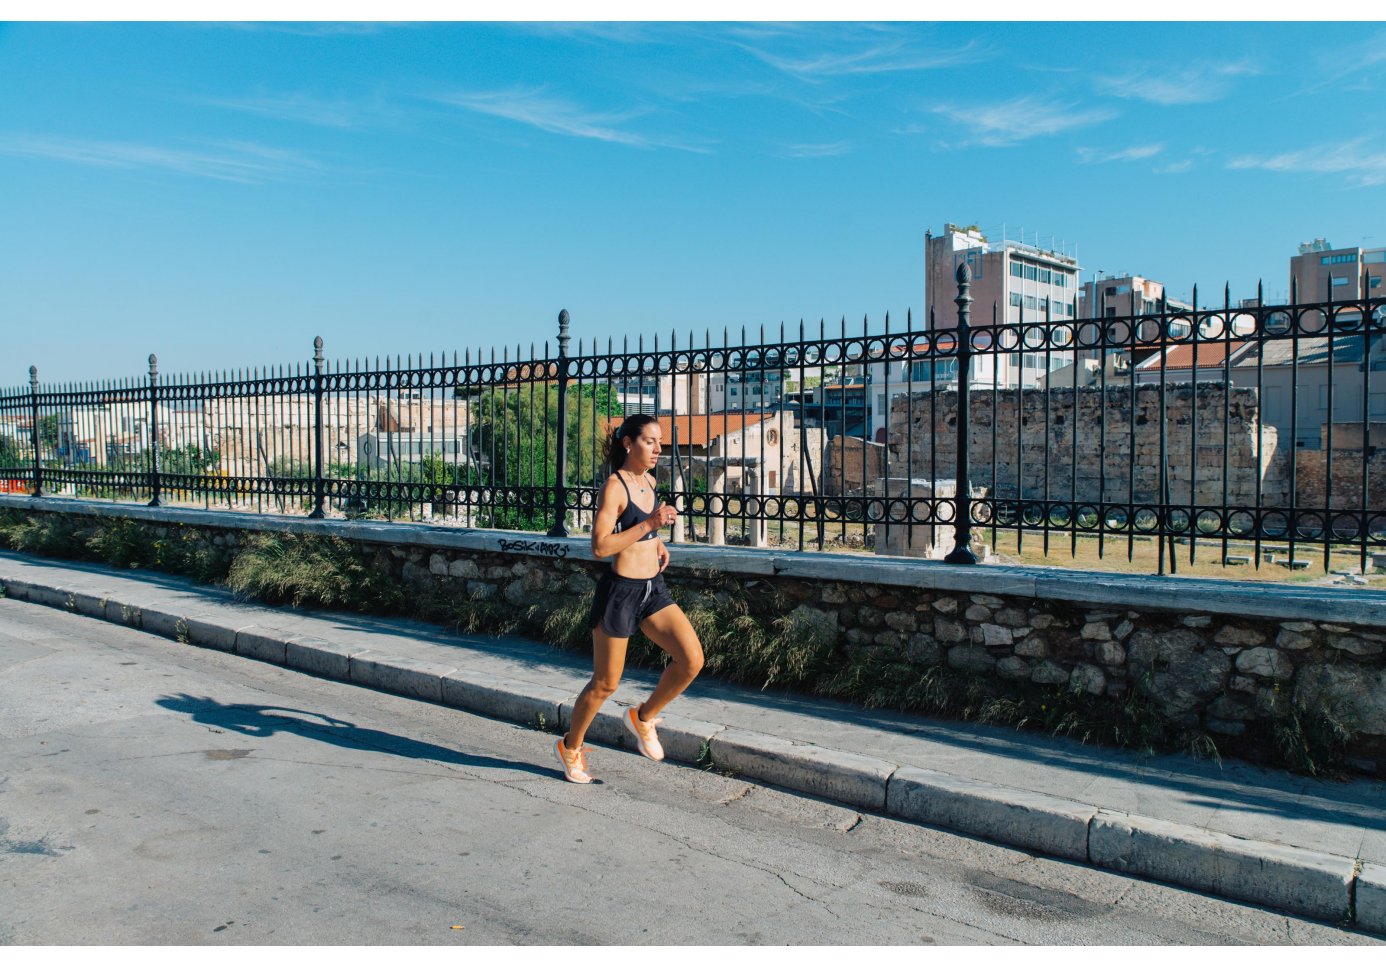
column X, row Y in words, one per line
column 630, row 427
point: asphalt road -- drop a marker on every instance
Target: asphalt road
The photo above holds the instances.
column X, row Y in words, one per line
column 157, row 793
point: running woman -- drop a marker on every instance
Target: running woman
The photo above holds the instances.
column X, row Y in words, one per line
column 631, row 595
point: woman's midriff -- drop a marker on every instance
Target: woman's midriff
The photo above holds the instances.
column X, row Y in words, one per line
column 639, row 561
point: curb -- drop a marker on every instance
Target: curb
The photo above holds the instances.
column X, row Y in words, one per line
column 1329, row 887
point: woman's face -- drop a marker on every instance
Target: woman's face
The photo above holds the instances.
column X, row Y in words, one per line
column 642, row 451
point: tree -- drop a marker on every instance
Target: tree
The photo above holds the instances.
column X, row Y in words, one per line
column 48, row 431
column 516, row 434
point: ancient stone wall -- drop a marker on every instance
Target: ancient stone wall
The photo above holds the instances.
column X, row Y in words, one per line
column 1099, row 445
column 850, row 465
column 1311, row 480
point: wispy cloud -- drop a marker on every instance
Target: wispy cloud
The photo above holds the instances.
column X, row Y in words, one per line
column 1361, row 164
column 818, row 150
column 534, row 107
column 1165, row 85
column 1019, row 119
column 234, row 161
column 300, row 107
column 1100, row 156
column 886, row 58
column 1357, row 61
column 1175, row 167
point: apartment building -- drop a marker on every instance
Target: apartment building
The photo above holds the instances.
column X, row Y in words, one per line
column 1322, row 273
column 111, row 433
column 752, row 390
column 655, row 394
column 1126, row 295
column 1012, row 282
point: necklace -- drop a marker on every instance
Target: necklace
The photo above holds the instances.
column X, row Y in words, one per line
column 642, row 481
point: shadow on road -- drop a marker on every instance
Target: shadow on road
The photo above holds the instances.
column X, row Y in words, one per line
column 265, row 721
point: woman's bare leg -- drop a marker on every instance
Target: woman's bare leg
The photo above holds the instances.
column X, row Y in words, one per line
column 608, row 662
column 670, row 629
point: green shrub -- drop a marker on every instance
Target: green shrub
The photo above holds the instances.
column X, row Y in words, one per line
column 313, row 570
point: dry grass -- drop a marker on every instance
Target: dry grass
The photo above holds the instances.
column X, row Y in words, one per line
column 1063, row 552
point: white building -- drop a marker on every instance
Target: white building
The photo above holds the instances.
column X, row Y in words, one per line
column 1012, row 283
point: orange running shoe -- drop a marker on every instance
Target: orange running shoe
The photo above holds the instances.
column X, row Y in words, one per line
column 574, row 763
column 645, row 735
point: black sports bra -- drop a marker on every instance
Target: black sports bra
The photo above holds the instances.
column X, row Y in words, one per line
column 632, row 515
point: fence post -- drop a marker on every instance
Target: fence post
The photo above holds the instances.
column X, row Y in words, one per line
column 34, row 431
column 155, row 483
column 962, row 489
column 560, row 489
column 319, row 482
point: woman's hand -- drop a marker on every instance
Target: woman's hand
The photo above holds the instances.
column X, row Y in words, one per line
column 662, row 553
column 662, row 516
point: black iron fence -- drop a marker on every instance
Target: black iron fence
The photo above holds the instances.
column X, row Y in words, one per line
column 1239, row 436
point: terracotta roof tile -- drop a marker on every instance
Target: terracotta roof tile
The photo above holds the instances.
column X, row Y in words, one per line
column 1181, row 357
column 698, row 430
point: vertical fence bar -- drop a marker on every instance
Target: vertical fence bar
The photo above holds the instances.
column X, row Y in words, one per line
column 962, row 500
column 34, row 431
column 1368, row 315
column 993, row 343
column 1226, row 516
column 155, row 484
column 1298, row 320
column 1330, row 320
column 319, row 481
column 560, row 512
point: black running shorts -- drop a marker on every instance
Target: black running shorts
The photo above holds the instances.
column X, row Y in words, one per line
column 623, row 603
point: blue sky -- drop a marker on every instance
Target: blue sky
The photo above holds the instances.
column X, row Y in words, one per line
column 220, row 195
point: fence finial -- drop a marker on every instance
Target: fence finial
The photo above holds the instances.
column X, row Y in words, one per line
column 563, row 332
column 153, row 365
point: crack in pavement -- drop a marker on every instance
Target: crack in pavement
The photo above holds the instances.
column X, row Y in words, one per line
column 806, row 897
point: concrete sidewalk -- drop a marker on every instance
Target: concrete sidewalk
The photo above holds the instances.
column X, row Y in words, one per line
column 1287, row 842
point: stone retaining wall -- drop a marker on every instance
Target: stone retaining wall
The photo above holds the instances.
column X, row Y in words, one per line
column 1311, row 479
column 1036, row 431
column 1231, row 658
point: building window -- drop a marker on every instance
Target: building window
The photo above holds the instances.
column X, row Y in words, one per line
column 1373, row 281
column 1015, row 299
column 1017, row 270
column 925, row 371
column 1340, row 280
column 1333, row 260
